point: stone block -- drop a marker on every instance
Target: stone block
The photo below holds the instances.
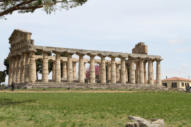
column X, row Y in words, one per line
column 141, row 122
column 140, row 48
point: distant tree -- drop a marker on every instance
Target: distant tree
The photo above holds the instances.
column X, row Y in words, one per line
column 6, row 64
column 96, row 72
column 25, row 6
column 64, row 54
column 2, row 76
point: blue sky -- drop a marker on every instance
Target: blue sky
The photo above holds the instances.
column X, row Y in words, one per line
column 164, row 25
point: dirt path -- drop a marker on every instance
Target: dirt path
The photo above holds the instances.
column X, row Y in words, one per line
column 66, row 91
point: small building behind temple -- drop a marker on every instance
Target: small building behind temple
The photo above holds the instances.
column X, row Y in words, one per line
column 176, row 82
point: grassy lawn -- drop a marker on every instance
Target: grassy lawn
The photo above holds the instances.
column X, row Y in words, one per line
column 78, row 109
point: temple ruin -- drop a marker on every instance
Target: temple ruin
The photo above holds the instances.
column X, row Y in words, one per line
column 134, row 68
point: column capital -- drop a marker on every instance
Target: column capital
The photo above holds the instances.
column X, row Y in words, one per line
column 80, row 54
column 158, row 60
column 45, row 55
column 92, row 56
column 145, row 61
column 58, row 55
column 112, row 57
column 121, row 57
column 150, row 60
column 102, row 57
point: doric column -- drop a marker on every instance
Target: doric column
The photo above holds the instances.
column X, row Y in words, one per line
column 70, row 68
column 53, row 70
column 81, row 69
column 141, row 72
column 74, row 70
column 117, row 72
column 23, row 68
column 137, row 72
column 150, row 72
column 145, row 73
column 123, row 71
column 64, row 70
column 127, row 73
column 109, row 72
column 11, row 65
column 14, row 70
column 32, row 69
column 58, row 70
column 103, row 70
column 92, row 69
column 27, row 67
column 45, row 68
column 113, row 70
column 84, row 70
column 158, row 73
column 132, row 72
column 18, row 69
column 99, row 72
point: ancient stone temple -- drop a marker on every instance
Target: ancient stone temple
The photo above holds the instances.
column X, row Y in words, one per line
column 115, row 68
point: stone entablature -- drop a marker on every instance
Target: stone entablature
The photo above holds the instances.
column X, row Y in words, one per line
column 128, row 68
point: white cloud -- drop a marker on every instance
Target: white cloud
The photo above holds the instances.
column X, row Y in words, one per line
column 176, row 41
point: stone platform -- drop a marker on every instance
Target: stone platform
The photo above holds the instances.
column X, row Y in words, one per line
column 90, row 86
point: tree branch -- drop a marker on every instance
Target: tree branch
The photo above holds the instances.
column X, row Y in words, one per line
column 30, row 8
column 16, row 7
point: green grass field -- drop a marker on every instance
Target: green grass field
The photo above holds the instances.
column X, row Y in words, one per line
column 77, row 109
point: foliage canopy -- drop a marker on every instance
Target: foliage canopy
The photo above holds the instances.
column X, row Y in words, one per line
column 25, row 6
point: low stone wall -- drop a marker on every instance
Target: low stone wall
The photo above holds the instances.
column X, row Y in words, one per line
column 91, row 86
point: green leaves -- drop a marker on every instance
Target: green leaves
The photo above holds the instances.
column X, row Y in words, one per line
column 25, row 6
column 2, row 76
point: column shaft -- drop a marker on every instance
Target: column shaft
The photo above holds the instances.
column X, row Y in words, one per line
column 27, row 66
column 45, row 68
column 113, row 70
column 132, row 72
column 117, row 72
column 150, row 73
column 137, row 72
column 58, row 70
column 10, row 71
column 145, row 73
column 32, row 70
column 18, row 69
column 127, row 73
column 23, row 68
column 70, row 69
column 141, row 72
column 64, row 71
column 158, row 73
column 92, row 69
column 109, row 72
column 84, row 70
column 123, row 71
column 103, row 70
column 81, row 69
column 54, row 70
column 14, row 70
column 74, row 70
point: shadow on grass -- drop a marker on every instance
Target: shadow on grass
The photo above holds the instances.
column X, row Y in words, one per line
column 10, row 102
